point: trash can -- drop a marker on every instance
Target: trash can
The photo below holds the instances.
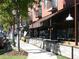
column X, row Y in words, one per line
column 46, row 44
column 49, row 45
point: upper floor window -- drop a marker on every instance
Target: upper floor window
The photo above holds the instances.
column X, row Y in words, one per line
column 40, row 8
column 47, row 3
column 54, row 3
column 38, row 11
column 36, row 14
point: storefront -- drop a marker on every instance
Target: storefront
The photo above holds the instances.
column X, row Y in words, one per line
column 59, row 28
column 56, row 27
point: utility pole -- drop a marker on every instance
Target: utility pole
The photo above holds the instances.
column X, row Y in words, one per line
column 50, row 29
column 17, row 9
column 13, row 26
column 76, row 24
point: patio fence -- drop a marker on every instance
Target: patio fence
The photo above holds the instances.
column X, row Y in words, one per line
column 55, row 47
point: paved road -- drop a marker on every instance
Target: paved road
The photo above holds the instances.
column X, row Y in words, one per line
column 35, row 52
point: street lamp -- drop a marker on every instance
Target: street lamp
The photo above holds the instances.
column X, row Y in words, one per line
column 14, row 14
column 69, row 18
column 75, row 22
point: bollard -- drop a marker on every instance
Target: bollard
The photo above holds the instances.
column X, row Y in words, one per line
column 72, row 53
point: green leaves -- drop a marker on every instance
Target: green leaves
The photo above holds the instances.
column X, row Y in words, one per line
column 23, row 6
column 6, row 7
column 5, row 4
column 5, row 20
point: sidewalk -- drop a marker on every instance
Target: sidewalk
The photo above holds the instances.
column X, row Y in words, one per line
column 35, row 52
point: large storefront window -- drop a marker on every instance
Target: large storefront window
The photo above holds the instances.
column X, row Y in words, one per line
column 70, row 33
column 66, row 34
column 44, row 34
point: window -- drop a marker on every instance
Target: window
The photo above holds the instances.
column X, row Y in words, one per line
column 47, row 3
column 54, row 3
column 40, row 9
column 36, row 14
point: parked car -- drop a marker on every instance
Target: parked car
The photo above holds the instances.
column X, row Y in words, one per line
column 2, row 39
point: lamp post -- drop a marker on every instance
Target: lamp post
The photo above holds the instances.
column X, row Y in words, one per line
column 69, row 18
column 76, row 24
column 14, row 14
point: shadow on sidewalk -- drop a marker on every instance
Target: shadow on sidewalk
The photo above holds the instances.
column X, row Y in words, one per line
column 36, row 51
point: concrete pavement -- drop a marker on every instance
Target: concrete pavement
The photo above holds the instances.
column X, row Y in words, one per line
column 35, row 52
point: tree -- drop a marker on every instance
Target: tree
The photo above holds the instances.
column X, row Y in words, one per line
column 6, row 7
